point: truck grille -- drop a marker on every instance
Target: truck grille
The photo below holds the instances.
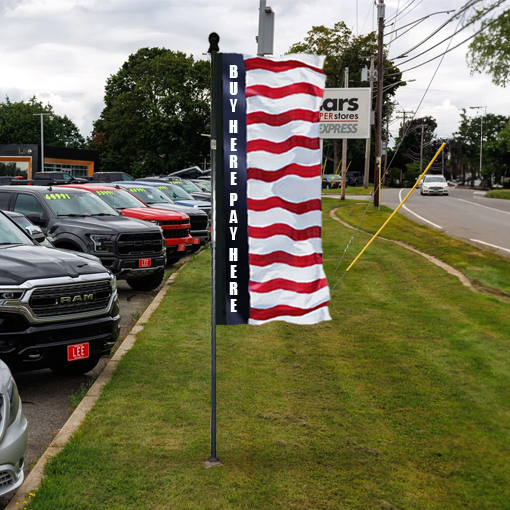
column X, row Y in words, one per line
column 198, row 223
column 173, row 233
column 70, row 299
column 175, row 222
column 136, row 244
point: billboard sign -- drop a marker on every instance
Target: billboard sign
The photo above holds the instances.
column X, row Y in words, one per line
column 345, row 113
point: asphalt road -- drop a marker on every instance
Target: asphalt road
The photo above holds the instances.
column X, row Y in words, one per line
column 46, row 397
column 465, row 214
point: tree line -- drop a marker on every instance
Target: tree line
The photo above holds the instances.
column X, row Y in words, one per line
column 157, row 107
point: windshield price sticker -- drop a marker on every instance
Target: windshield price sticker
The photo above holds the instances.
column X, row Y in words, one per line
column 138, row 190
column 104, row 192
column 175, row 182
column 57, row 196
column 162, row 187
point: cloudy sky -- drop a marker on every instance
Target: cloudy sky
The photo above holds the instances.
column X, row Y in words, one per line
column 62, row 51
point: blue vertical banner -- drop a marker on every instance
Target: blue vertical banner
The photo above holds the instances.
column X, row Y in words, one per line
column 237, row 303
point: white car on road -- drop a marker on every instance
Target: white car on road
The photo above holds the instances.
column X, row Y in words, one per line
column 434, row 185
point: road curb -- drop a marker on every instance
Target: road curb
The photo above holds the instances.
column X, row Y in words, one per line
column 33, row 480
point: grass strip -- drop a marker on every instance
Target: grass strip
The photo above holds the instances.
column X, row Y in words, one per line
column 350, row 190
column 484, row 268
column 400, row 402
column 499, row 193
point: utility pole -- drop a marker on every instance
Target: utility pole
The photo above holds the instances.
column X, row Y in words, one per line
column 378, row 129
column 421, row 148
column 344, row 145
column 369, row 140
column 403, row 131
column 42, row 137
column 404, row 113
column 387, row 143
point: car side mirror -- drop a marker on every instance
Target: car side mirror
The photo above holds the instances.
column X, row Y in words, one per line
column 36, row 219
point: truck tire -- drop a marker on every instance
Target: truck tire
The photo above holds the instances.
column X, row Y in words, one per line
column 172, row 260
column 147, row 283
column 79, row 367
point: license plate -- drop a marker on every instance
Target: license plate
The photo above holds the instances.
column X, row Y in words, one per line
column 196, row 240
column 77, row 351
column 144, row 263
column 181, row 247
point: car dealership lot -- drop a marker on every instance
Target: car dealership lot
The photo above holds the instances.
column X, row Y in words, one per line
column 46, row 396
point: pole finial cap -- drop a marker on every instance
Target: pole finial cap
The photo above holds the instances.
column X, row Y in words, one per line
column 214, row 39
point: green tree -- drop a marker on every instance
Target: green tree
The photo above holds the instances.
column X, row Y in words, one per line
column 489, row 51
column 19, row 124
column 343, row 49
column 156, row 108
column 472, row 136
column 416, row 145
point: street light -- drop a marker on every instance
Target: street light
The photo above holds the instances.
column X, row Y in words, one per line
column 391, row 85
column 481, row 133
column 42, row 138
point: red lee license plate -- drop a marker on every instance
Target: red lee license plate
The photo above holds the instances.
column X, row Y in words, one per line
column 181, row 247
column 144, row 263
column 77, row 351
column 196, row 240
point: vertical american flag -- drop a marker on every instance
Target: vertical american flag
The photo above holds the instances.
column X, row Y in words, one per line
column 286, row 277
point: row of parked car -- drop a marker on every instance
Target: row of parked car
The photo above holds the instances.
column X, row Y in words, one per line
column 352, row 178
column 62, row 249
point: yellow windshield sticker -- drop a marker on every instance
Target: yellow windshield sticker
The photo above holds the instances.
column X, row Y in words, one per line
column 105, row 192
column 138, row 190
column 162, row 187
column 57, row 196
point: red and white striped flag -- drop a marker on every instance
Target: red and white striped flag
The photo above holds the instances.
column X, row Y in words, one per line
column 283, row 187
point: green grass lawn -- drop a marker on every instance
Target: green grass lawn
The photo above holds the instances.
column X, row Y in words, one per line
column 499, row 193
column 486, row 269
column 401, row 402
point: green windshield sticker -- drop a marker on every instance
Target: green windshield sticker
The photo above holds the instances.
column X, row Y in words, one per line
column 57, row 196
column 138, row 190
column 175, row 182
column 162, row 187
column 105, row 192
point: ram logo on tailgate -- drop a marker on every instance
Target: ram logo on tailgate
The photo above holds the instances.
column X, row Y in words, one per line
column 76, row 299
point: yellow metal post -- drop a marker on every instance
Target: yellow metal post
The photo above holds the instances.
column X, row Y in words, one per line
column 336, row 173
column 396, row 210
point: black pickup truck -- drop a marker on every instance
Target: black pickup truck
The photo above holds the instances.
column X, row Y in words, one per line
column 58, row 310
column 74, row 219
column 52, row 178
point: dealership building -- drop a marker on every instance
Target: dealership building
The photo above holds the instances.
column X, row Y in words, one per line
column 25, row 160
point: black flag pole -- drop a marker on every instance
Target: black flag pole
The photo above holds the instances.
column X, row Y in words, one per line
column 217, row 230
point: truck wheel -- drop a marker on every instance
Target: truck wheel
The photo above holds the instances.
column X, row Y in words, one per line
column 172, row 259
column 79, row 367
column 147, row 283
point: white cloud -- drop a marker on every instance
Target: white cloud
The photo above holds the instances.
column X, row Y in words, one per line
column 63, row 51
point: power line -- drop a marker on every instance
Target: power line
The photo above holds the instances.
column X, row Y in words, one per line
column 435, row 32
column 450, row 49
column 394, row 17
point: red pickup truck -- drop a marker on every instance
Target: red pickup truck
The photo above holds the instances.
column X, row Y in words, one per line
column 175, row 225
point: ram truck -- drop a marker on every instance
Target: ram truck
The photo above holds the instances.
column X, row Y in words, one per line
column 175, row 225
column 58, row 310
